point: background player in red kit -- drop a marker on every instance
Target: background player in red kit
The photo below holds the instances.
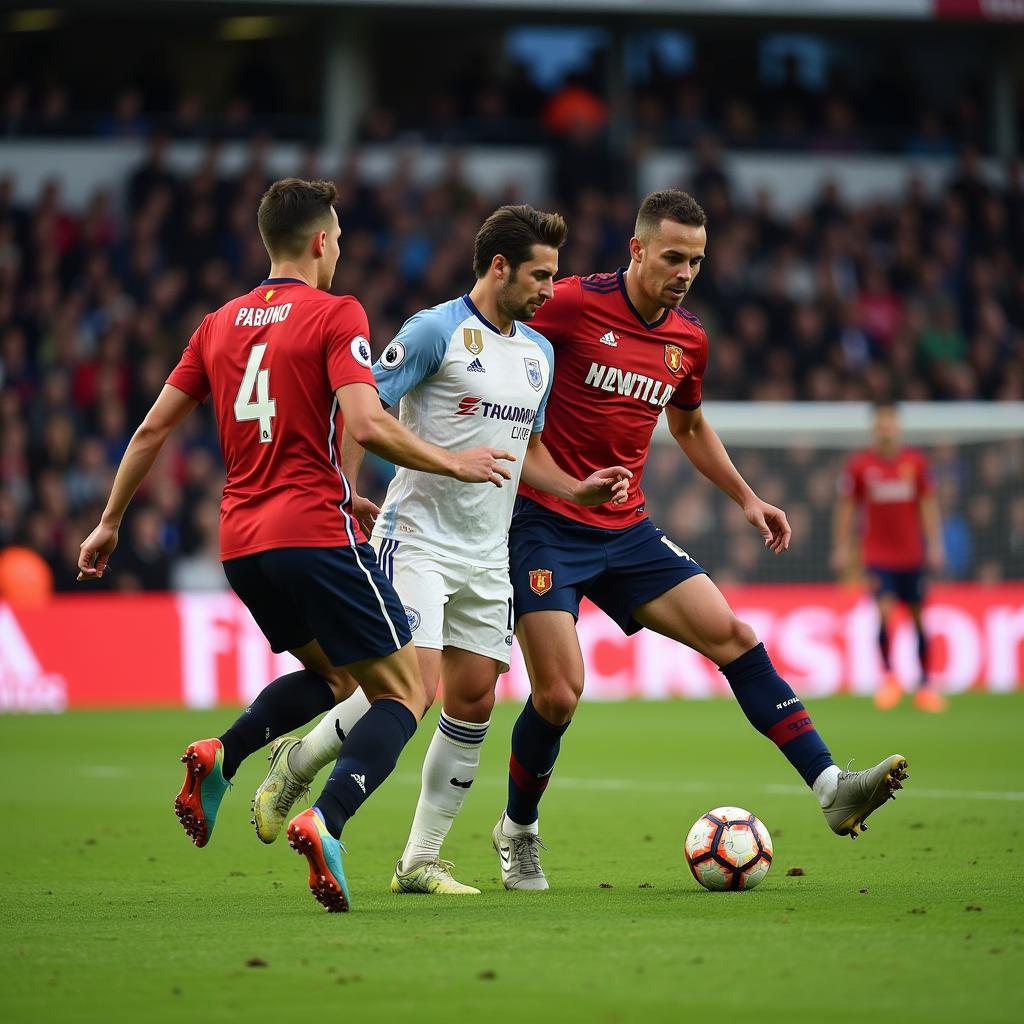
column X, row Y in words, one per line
column 902, row 536
column 288, row 367
column 625, row 350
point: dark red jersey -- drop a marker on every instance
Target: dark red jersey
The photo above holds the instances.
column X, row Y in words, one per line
column 889, row 491
column 614, row 373
column 272, row 360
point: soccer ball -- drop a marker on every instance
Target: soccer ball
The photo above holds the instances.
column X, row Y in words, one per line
column 728, row 849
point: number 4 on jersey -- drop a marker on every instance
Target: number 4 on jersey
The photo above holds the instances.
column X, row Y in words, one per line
column 263, row 407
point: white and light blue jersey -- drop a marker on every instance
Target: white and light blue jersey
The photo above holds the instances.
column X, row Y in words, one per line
column 459, row 383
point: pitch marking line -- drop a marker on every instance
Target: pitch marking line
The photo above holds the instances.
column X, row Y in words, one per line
column 641, row 785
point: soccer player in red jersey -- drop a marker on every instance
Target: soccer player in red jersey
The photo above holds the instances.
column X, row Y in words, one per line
column 624, row 351
column 288, row 368
column 902, row 535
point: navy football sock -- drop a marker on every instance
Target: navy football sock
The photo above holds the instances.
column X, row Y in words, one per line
column 774, row 710
column 284, row 704
column 535, row 743
column 883, row 645
column 369, row 756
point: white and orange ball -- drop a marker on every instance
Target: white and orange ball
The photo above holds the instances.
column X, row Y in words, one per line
column 728, row 849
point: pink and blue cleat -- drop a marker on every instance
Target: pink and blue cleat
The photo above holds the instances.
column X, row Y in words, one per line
column 204, row 787
column 308, row 835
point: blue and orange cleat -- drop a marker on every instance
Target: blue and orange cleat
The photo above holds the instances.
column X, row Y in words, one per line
column 308, row 835
column 202, row 791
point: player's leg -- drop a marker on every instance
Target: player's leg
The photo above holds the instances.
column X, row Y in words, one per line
column 368, row 757
column 449, row 770
column 926, row 698
column 551, row 561
column 696, row 613
column 554, row 662
column 287, row 702
column 890, row 690
column 423, row 584
column 477, row 641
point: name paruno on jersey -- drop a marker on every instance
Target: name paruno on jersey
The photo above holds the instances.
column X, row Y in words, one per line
column 459, row 383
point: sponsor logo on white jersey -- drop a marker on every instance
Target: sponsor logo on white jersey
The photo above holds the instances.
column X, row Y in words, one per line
column 470, row 406
column 476, row 367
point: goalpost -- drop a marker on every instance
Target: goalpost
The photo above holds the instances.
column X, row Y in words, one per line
column 792, row 453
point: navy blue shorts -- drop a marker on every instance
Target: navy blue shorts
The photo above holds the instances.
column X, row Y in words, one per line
column 555, row 562
column 337, row 596
column 906, row 585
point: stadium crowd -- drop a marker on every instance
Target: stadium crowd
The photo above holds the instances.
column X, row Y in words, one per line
column 917, row 299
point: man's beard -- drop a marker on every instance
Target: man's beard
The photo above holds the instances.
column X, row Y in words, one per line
column 512, row 308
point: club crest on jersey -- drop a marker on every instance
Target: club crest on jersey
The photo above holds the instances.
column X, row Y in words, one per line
column 540, row 581
column 533, row 374
column 393, row 356
column 674, row 358
column 360, row 350
column 473, row 338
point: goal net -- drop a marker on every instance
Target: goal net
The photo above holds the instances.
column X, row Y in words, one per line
column 792, row 454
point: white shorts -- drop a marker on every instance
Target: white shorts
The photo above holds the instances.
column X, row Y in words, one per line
column 449, row 603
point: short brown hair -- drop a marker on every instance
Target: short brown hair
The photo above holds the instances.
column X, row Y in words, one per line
column 668, row 204
column 289, row 211
column 512, row 232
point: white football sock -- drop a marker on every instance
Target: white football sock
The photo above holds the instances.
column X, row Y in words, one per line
column 323, row 743
column 825, row 785
column 513, row 828
column 448, row 771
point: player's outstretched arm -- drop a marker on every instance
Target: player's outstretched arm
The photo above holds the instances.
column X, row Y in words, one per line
column 371, row 427
column 170, row 408
column 704, row 448
column 541, row 471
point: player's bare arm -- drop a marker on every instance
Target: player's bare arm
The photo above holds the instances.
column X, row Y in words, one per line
column 363, row 509
column 703, row 447
column 170, row 408
column 932, row 522
column 541, row 471
column 371, row 427
column 842, row 536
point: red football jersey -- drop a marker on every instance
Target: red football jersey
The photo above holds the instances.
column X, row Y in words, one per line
column 614, row 373
column 272, row 359
column 889, row 491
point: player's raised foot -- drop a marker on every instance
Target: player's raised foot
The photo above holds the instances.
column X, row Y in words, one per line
column 926, row 699
column 277, row 792
column 860, row 793
column 433, row 877
column 203, row 789
column 308, row 835
column 520, row 858
column 889, row 694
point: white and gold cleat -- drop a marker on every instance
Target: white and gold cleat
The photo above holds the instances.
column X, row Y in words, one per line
column 860, row 793
column 277, row 792
column 432, row 877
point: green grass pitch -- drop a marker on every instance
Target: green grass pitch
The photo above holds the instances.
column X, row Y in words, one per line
column 109, row 914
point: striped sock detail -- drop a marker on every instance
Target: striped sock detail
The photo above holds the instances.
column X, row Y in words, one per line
column 462, row 734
